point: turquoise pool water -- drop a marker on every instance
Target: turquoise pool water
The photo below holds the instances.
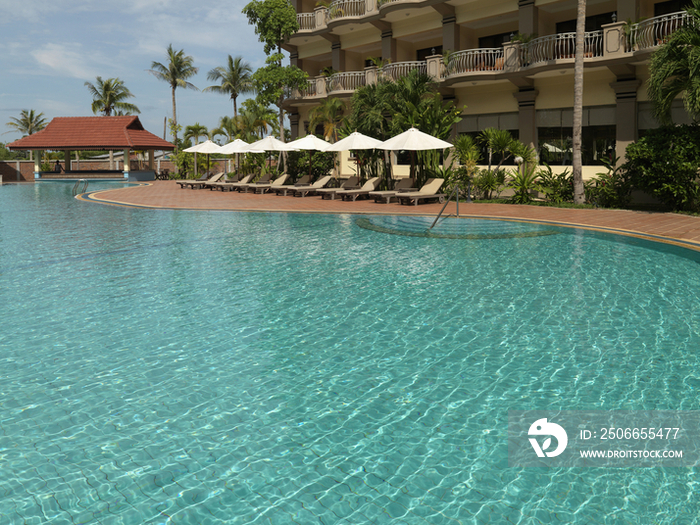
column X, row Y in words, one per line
column 229, row 368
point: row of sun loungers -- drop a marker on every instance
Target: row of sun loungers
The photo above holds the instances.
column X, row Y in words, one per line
column 404, row 193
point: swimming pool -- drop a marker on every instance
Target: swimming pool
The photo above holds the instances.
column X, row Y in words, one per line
column 210, row 367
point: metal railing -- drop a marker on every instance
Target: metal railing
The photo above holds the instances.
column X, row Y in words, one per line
column 80, row 186
column 486, row 59
column 348, row 81
column 455, row 193
column 560, row 46
column 307, row 21
column 345, row 8
column 655, row 31
column 401, row 69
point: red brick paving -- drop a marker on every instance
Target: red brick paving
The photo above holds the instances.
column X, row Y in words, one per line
column 168, row 194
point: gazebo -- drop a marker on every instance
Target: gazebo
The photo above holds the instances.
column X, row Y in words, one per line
column 70, row 134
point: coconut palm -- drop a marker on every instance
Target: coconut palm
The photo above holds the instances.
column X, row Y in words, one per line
column 108, row 97
column 28, row 122
column 577, row 162
column 195, row 131
column 329, row 114
column 673, row 69
column 179, row 68
column 235, row 79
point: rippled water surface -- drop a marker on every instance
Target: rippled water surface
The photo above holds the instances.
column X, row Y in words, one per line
column 206, row 367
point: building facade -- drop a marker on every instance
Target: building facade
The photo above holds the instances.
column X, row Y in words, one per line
column 509, row 62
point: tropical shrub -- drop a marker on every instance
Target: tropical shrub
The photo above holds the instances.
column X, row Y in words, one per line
column 524, row 182
column 557, row 187
column 488, row 182
column 611, row 189
column 664, row 163
column 298, row 164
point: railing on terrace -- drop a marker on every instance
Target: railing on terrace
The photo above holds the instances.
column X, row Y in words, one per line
column 380, row 3
column 307, row 21
column 344, row 8
column 309, row 90
column 486, row 59
column 401, row 69
column 348, row 81
column 561, row 46
column 655, row 31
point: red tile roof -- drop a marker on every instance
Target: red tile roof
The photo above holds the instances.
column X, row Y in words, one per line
column 89, row 133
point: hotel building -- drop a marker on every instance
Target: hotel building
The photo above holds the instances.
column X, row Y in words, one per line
column 510, row 62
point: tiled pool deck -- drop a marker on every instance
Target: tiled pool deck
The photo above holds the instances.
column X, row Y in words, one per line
column 668, row 227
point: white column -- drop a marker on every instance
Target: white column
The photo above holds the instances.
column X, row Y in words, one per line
column 37, row 163
column 126, row 163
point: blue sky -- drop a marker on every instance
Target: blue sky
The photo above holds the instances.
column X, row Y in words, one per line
column 49, row 49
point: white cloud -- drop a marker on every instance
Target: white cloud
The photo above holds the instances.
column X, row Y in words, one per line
column 65, row 59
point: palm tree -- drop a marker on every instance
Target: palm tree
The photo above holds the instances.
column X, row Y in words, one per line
column 673, row 69
column 179, row 68
column 227, row 128
column 108, row 97
column 27, row 124
column 195, row 131
column 329, row 114
column 577, row 168
column 235, row 79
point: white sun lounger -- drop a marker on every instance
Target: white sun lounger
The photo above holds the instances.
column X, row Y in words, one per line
column 402, row 185
column 428, row 191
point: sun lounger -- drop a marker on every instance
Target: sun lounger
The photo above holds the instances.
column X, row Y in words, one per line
column 284, row 188
column 262, row 187
column 226, row 186
column 214, row 185
column 303, row 191
column 349, row 184
column 187, row 182
column 245, row 186
column 402, row 185
column 429, row 191
column 353, row 195
column 200, row 184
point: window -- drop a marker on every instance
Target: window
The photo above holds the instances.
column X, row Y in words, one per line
column 593, row 23
column 422, row 54
column 672, row 6
column 495, row 157
column 488, row 42
column 555, row 145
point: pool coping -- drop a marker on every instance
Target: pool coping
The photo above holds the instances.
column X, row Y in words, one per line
column 166, row 196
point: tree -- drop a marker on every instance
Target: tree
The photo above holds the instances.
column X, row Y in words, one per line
column 108, row 97
column 274, row 20
column 235, row 79
column 329, row 114
column 674, row 69
column 179, row 68
column 577, row 168
column 28, row 122
column 195, row 131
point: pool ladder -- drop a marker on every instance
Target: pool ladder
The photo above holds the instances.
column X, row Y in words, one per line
column 455, row 193
column 80, row 186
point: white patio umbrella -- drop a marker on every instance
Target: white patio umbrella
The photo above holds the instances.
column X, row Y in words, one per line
column 355, row 141
column 269, row 143
column 310, row 143
column 203, row 147
column 237, row 146
column 414, row 140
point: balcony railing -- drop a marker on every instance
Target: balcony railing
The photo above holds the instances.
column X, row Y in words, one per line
column 307, row 21
column 348, row 81
column 346, row 8
column 486, row 59
column 561, row 46
column 401, row 69
column 655, row 31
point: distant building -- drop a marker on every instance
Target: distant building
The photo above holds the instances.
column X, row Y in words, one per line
column 511, row 63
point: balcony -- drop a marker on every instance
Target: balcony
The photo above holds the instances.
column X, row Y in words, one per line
column 560, row 47
column 348, row 81
column 347, row 9
column 401, row 69
column 654, row 32
column 475, row 60
column 306, row 21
